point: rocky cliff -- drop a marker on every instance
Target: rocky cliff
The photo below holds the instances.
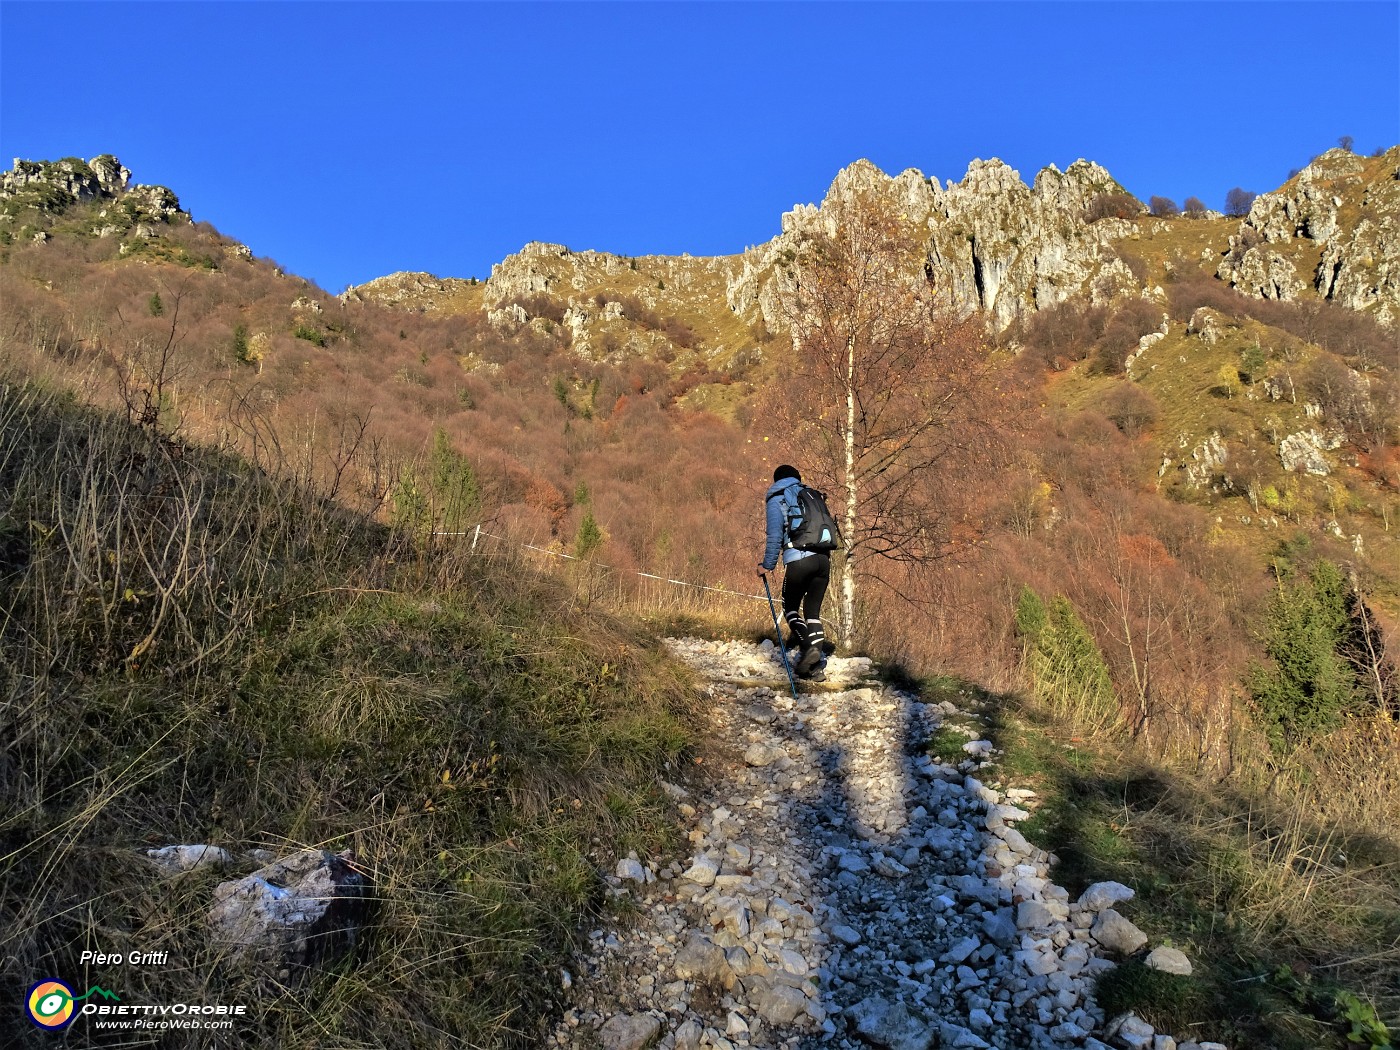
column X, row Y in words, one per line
column 32, row 191
column 55, row 183
column 420, row 292
column 612, row 305
column 617, row 304
column 993, row 244
column 1333, row 229
column 996, row 245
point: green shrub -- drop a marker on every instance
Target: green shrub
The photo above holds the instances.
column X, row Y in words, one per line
column 240, row 342
column 1252, row 363
column 310, row 333
column 1308, row 683
column 1063, row 660
column 589, row 537
column 456, row 492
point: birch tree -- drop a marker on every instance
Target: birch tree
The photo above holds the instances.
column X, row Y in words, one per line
column 890, row 397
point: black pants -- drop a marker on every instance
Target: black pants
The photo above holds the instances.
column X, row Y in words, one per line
column 804, row 587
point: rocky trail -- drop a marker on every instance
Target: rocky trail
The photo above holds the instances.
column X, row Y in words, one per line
column 847, row 890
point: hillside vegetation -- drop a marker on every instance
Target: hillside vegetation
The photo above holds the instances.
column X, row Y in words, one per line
column 1187, row 549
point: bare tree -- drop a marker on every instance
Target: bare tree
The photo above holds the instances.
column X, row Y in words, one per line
column 891, row 396
column 147, row 369
column 1365, row 647
column 1162, row 207
column 1194, row 207
column 1238, row 202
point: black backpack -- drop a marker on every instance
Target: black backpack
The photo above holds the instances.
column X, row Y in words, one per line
column 810, row 525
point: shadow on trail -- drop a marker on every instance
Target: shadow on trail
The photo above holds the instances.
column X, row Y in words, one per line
column 897, row 853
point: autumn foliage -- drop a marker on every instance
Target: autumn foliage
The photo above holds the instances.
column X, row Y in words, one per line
column 970, row 487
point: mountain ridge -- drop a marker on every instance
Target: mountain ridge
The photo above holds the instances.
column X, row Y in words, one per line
column 1010, row 250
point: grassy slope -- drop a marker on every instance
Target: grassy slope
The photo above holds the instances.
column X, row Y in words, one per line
column 480, row 745
column 1281, row 899
column 479, row 742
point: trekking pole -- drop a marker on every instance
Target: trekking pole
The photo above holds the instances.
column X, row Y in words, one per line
column 782, row 649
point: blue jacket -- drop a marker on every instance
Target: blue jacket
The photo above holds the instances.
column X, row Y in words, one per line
column 776, row 516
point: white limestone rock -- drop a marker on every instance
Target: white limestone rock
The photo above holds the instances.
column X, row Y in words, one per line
column 701, row 960
column 630, row 869
column 1103, row 895
column 629, row 1032
column 702, row 870
column 890, row 1025
column 1302, row 452
column 176, row 860
column 293, row 911
column 1117, row 934
column 1169, row 960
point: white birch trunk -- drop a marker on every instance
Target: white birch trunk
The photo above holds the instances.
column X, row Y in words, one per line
column 848, row 528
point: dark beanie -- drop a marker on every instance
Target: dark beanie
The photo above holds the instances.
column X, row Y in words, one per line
column 786, row 471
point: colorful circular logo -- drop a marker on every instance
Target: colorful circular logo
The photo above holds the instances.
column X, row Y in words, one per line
column 51, row 1004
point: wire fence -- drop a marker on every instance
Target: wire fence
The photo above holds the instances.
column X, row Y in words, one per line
column 477, row 533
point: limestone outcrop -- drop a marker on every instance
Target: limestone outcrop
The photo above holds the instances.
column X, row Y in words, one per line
column 994, row 244
column 53, row 185
column 65, row 181
column 293, row 911
column 49, row 187
column 1335, row 227
column 612, row 305
column 1302, row 453
column 416, row 291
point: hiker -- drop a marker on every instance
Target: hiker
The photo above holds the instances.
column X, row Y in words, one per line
column 805, row 575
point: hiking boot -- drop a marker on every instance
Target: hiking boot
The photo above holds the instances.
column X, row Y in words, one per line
column 817, row 676
column 811, row 656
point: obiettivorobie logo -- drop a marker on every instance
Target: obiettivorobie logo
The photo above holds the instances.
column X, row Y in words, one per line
column 51, row 1003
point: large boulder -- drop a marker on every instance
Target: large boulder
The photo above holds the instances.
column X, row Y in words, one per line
column 294, row 911
column 890, row 1025
column 629, row 1032
column 1116, row 933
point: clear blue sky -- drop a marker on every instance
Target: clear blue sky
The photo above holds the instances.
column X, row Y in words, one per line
column 350, row 140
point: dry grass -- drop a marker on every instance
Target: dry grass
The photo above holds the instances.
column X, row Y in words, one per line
column 1282, row 886
column 195, row 652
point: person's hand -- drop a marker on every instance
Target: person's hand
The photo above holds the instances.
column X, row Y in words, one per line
column 762, row 570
